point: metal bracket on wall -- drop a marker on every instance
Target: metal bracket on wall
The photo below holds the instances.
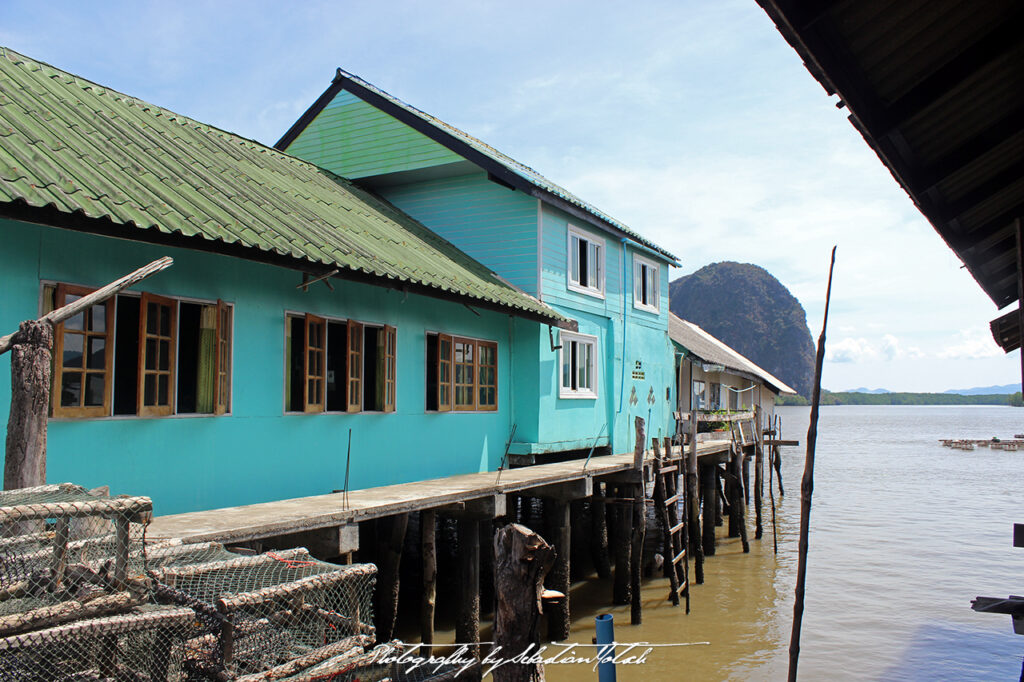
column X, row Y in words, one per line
column 551, row 338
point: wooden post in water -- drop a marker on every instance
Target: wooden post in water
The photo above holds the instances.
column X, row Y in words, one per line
column 391, row 538
column 758, row 471
column 639, row 528
column 693, row 503
column 599, row 534
column 738, row 509
column 428, row 544
column 467, row 622
column 558, row 611
column 771, row 490
column 708, row 478
column 807, row 488
column 521, row 560
column 623, row 532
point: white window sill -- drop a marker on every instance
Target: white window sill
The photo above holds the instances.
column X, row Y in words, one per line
column 655, row 310
column 576, row 395
column 596, row 293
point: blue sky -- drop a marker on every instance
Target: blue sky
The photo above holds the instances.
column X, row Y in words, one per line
column 692, row 122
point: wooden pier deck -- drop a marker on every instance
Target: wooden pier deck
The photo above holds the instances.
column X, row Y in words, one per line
column 284, row 517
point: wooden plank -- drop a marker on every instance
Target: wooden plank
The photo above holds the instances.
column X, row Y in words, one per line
column 679, row 557
column 676, row 528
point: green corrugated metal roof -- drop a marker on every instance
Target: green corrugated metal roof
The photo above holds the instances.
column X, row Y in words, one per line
column 76, row 146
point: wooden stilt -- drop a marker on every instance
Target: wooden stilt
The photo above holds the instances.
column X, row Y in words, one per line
column 578, row 512
column 521, row 561
column 391, row 538
column 758, row 471
column 721, row 504
column 621, row 547
column 560, row 533
column 25, row 458
column 599, row 534
column 467, row 623
column 486, row 566
column 708, row 479
column 745, row 466
column 428, row 544
column 693, row 503
column 639, row 531
column 737, row 509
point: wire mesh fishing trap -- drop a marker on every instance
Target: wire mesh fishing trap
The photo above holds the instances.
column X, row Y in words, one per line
column 84, row 597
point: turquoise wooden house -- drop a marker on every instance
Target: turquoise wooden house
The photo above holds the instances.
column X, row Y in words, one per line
column 303, row 312
column 572, row 389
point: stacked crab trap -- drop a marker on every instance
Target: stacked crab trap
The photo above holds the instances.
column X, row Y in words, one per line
column 84, row 597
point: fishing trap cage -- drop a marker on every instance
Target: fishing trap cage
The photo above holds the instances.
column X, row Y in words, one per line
column 83, row 596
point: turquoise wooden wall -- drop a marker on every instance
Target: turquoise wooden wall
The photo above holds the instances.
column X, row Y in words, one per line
column 356, row 140
column 258, row 452
column 494, row 224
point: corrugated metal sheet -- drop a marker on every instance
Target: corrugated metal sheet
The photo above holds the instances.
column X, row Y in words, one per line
column 84, row 149
column 708, row 349
column 519, row 169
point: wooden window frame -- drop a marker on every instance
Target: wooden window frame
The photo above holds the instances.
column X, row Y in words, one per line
column 472, row 386
column 311, row 321
column 143, row 410
column 639, row 285
column 57, row 410
column 222, row 359
column 446, row 366
column 570, row 342
column 354, row 358
column 388, row 341
column 572, row 284
column 445, row 373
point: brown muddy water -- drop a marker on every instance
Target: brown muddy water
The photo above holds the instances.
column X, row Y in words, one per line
column 904, row 533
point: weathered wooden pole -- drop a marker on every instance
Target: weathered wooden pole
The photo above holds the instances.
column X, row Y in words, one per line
column 758, row 471
column 521, row 561
column 771, row 490
column 639, row 528
column 578, row 511
column 693, row 502
column 708, row 476
column 807, row 487
column 25, row 452
column 669, row 550
column 428, row 603
column 467, row 623
column 560, row 533
column 599, row 534
column 621, row 545
column 25, row 458
column 390, row 540
column 737, row 507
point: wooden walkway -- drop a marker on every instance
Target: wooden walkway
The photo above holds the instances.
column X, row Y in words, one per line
column 283, row 517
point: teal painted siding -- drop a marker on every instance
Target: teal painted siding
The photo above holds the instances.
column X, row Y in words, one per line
column 257, row 453
column 356, row 140
column 493, row 224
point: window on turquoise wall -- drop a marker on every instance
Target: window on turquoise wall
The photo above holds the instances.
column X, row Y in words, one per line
column 142, row 355
column 646, row 277
column 585, row 262
column 338, row 365
column 461, row 375
column 578, row 360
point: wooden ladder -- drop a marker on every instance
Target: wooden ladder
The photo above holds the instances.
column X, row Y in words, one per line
column 667, row 496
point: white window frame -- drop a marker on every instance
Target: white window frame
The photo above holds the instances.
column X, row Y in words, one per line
column 565, row 340
column 639, row 263
column 574, row 284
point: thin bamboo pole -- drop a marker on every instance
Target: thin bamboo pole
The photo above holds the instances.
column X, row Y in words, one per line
column 807, row 487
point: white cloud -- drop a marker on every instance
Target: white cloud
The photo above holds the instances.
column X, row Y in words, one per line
column 893, row 349
column 971, row 344
column 850, row 350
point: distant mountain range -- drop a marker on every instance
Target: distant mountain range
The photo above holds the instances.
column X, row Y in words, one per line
column 977, row 390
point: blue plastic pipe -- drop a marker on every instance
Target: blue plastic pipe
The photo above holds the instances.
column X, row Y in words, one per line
column 604, row 624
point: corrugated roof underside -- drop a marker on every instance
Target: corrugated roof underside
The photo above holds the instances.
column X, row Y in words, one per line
column 81, row 148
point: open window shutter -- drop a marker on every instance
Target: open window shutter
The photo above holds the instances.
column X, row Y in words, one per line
column 314, row 366
column 158, row 330
column 444, row 373
column 638, row 282
column 388, row 354
column 82, row 376
column 354, row 367
column 222, row 360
